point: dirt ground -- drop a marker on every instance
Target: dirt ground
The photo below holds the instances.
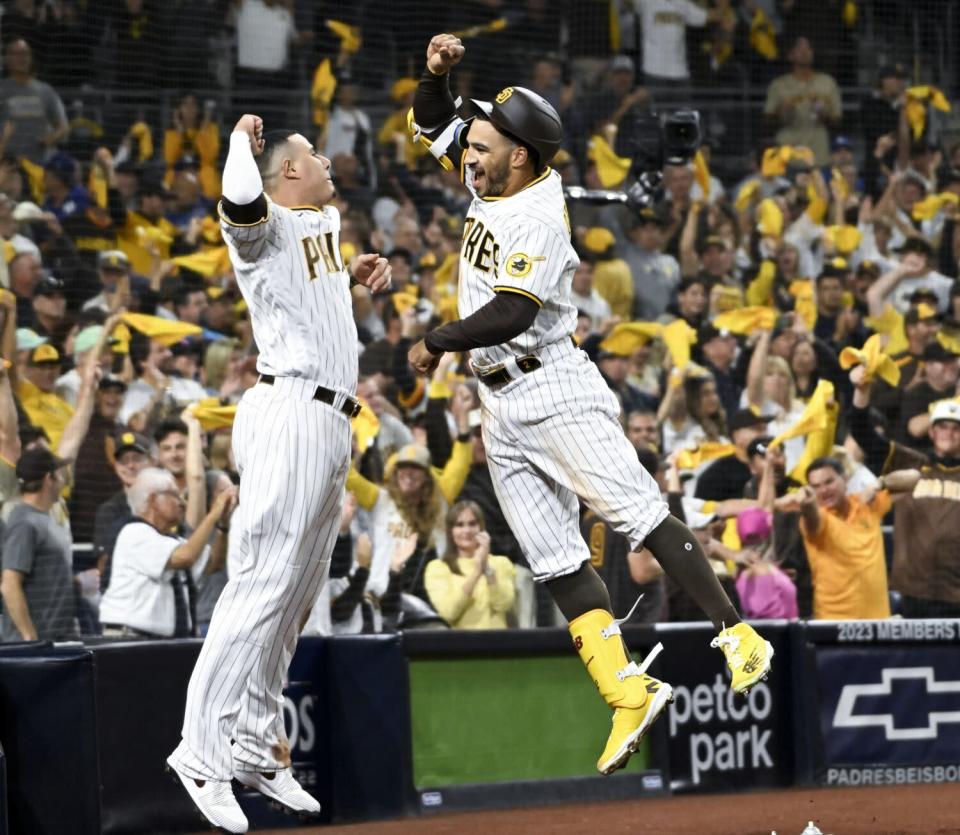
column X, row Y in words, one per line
column 894, row 810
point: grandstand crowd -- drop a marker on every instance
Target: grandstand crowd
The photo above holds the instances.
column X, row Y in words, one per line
column 784, row 342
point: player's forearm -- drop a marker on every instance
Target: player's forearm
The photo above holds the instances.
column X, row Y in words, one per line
column 242, row 184
column 433, row 105
column 500, row 320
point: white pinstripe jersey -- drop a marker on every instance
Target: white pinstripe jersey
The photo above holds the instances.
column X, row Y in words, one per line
column 520, row 244
column 297, row 289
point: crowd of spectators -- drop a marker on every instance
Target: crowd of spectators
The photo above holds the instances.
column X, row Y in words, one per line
column 784, row 343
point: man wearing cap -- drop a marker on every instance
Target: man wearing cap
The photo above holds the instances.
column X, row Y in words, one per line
column 550, row 426
column 113, row 269
column 727, row 477
column 65, row 197
column 717, row 352
column 37, row 581
column 132, row 452
column 613, row 360
column 50, row 311
column 927, row 521
column 93, row 473
column 92, row 337
column 936, row 380
column 655, row 274
column 146, row 230
column 612, row 278
column 36, row 392
column 713, row 261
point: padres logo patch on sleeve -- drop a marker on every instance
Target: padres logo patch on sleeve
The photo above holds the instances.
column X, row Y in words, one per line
column 519, row 264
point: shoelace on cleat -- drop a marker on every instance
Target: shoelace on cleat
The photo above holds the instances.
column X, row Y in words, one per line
column 729, row 644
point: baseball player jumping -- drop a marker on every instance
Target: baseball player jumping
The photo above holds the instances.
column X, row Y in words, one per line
column 550, row 424
column 291, row 439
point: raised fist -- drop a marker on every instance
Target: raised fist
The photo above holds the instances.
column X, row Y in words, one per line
column 252, row 126
column 444, row 52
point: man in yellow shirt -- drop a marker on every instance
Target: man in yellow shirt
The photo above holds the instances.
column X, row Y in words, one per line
column 843, row 539
column 36, row 394
column 147, row 232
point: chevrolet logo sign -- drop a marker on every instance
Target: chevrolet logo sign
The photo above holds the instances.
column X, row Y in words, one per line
column 844, row 717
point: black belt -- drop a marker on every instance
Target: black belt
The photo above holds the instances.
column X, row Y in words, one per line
column 498, row 374
column 351, row 406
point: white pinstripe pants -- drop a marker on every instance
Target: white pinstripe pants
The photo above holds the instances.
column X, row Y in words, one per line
column 292, row 454
column 553, row 435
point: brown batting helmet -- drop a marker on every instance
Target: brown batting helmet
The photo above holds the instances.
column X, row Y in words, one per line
column 522, row 115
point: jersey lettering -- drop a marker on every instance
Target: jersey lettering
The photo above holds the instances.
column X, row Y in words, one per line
column 479, row 247
column 321, row 247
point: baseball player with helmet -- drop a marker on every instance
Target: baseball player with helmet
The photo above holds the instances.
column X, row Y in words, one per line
column 550, row 424
column 291, row 439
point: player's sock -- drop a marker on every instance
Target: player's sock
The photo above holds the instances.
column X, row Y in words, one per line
column 580, row 592
column 681, row 556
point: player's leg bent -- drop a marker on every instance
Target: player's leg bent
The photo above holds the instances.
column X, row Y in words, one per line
column 544, row 517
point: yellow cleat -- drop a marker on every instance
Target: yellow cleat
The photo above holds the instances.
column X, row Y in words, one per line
column 637, row 698
column 748, row 656
column 631, row 724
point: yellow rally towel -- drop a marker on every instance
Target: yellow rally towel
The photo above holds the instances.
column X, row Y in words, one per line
column 918, row 99
column 806, row 307
column 760, row 290
column 747, row 319
column 763, row 37
column 844, row 239
column 678, row 336
column 873, row 359
column 208, row 263
column 626, row 337
column 701, row 173
column 350, row 41
column 814, row 418
column 403, row 301
column 690, row 459
column 840, row 184
column 890, row 324
column 121, row 339
column 747, row 195
column 366, row 425
column 321, row 92
column 212, row 415
column 816, row 205
column 931, row 206
column 775, row 159
column 770, row 218
column 165, row 331
column 144, row 135
column 611, row 169
column 949, row 340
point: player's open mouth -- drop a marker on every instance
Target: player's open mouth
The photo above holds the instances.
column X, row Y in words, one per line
column 477, row 178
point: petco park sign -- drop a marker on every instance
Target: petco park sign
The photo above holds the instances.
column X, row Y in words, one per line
column 719, row 740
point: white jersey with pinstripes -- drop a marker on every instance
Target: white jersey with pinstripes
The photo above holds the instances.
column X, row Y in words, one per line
column 520, row 244
column 297, row 289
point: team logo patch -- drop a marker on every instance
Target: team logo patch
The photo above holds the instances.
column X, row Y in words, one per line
column 503, row 95
column 519, row 264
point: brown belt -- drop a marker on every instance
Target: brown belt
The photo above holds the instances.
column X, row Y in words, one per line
column 498, row 375
column 351, row 406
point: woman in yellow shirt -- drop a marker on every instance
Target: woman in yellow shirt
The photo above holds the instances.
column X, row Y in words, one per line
column 468, row 587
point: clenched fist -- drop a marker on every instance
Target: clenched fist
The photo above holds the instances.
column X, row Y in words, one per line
column 444, row 52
